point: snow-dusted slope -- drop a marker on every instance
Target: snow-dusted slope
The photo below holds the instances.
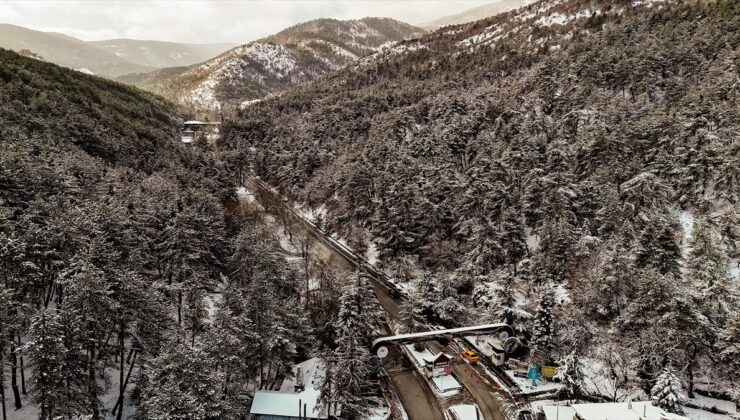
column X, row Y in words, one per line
column 538, row 25
column 255, row 70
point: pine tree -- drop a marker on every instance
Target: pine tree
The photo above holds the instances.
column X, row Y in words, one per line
column 504, row 307
column 411, row 316
column 429, row 294
column 542, row 330
column 570, row 374
column 730, row 340
column 181, row 383
column 658, row 248
column 46, row 355
column 706, row 268
column 667, row 391
column 351, row 388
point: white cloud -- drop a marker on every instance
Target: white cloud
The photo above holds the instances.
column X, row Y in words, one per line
column 204, row 20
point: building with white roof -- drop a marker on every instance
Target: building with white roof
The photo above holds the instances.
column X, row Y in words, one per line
column 629, row 410
column 298, row 397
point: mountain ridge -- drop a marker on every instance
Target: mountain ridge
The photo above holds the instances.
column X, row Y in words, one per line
column 257, row 69
column 109, row 58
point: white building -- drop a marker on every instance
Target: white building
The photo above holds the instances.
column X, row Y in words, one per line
column 298, row 397
column 630, row 410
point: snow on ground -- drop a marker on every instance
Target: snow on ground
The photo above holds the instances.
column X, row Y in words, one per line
column 708, row 402
column 562, row 295
column 533, row 241
column 695, row 414
column 446, row 385
column 212, row 302
column 311, row 214
column 526, row 384
column 379, row 414
column 686, row 219
column 371, row 255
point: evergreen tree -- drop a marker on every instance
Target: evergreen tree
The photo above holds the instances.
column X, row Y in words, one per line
column 505, row 308
column 667, row 391
column 706, row 268
column 730, row 340
column 429, row 294
column 351, row 388
column 46, row 356
column 181, row 383
column 570, row 374
column 542, row 329
column 658, row 248
column 411, row 316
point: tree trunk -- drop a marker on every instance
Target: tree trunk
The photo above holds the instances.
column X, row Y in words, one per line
column 121, row 383
column 690, row 372
column 119, row 403
column 14, row 375
column 179, row 307
column 2, row 385
column 92, row 386
column 23, row 374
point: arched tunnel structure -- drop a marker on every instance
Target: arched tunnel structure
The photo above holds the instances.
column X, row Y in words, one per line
column 503, row 331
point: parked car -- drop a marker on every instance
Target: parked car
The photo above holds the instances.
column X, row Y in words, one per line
column 470, row 356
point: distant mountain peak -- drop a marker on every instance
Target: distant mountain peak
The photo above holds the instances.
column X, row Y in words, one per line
column 252, row 71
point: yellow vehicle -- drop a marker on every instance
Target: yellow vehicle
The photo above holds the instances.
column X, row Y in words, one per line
column 470, row 356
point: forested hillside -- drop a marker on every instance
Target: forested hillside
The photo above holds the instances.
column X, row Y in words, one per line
column 115, row 250
column 252, row 71
column 574, row 166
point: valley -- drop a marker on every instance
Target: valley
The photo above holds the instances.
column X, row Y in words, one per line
column 517, row 210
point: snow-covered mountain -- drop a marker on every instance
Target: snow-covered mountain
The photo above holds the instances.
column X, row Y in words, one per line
column 255, row 70
column 476, row 13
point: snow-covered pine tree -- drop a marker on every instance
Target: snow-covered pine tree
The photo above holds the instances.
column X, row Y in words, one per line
column 730, row 340
column 667, row 390
column 411, row 316
column 613, row 284
column 658, row 248
column 542, row 328
column 570, row 374
column 429, row 293
column 46, row 355
column 352, row 388
column 181, row 384
column 4, row 328
column 505, row 308
column 706, row 269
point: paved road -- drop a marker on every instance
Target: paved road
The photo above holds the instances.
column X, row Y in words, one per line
column 418, row 400
column 413, row 390
column 476, row 382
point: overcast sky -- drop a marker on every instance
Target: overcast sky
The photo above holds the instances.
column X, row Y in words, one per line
column 203, row 21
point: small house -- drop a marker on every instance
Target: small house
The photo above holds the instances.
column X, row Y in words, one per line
column 297, row 398
column 629, row 410
column 195, row 130
column 437, row 365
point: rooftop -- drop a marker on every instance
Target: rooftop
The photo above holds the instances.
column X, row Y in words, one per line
column 630, row 410
column 286, row 401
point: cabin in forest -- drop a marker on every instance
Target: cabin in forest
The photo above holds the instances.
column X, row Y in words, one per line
column 195, row 130
column 297, row 398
